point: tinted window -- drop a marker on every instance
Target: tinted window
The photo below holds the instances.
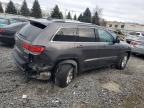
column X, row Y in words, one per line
column 122, row 26
column 132, row 33
column 13, row 21
column 110, row 25
column 86, row 35
column 104, row 36
column 116, row 26
column 66, row 34
column 113, row 34
column 137, row 34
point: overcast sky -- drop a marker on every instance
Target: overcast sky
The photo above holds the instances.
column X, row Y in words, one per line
column 120, row 10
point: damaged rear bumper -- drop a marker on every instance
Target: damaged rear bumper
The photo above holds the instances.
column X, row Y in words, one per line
column 33, row 70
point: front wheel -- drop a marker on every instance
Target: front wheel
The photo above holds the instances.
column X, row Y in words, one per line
column 64, row 75
column 122, row 62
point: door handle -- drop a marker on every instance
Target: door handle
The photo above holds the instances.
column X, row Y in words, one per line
column 79, row 46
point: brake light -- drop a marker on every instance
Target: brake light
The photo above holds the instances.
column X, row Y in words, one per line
column 134, row 43
column 33, row 48
column 2, row 30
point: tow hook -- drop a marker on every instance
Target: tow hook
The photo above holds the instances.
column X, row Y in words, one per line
column 44, row 76
column 37, row 75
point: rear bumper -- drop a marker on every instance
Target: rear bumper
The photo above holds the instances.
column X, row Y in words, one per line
column 24, row 64
column 32, row 70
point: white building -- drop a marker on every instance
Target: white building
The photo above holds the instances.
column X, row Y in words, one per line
column 124, row 26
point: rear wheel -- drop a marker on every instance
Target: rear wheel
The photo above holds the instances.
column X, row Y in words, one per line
column 64, row 74
column 122, row 62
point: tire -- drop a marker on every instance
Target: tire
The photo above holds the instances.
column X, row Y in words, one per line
column 64, row 75
column 122, row 62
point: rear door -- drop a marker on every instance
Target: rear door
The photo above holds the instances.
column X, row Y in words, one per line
column 86, row 46
column 63, row 43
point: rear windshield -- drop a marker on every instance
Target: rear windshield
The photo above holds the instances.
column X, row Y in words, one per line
column 31, row 31
column 3, row 21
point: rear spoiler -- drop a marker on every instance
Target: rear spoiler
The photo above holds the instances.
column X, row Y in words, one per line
column 38, row 23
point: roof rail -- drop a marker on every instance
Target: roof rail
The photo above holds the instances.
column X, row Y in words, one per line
column 63, row 20
column 67, row 21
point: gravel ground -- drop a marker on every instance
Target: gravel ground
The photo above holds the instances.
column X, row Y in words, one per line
column 103, row 88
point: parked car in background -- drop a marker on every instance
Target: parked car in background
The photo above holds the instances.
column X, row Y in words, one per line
column 3, row 22
column 8, row 21
column 7, row 33
column 138, row 46
column 118, row 33
column 133, row 36
column 137, row 33
column 60, row 49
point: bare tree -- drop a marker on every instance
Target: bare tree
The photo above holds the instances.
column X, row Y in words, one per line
column 96, row 15
column 102, row 22
column 98, row 10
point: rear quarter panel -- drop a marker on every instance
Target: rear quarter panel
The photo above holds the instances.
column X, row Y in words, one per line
column 58, row 51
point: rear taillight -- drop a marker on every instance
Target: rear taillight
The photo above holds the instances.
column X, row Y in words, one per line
column 36, row 49
column 134, row 43
column 2, row 30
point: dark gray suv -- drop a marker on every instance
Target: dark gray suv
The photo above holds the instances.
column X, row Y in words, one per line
column 61, row 49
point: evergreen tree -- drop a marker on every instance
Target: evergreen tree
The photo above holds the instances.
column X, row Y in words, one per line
column 69, row 16
column 1, row 8
column 61, row 15
column 11, row 8
column 18, row 12
column 56, row 13
column 95, row 19
column 24, row 9
column 75, row 17
column 80, row 18
column 36, row 10
column 87, row 16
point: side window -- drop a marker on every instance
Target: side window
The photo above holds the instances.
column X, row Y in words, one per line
column 104, row 36
column 86, row 35
column 137, row 34
column 66, row 34
column 13, row 21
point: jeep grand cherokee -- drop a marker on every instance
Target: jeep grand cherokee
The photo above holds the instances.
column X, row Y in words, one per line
column 61, row 49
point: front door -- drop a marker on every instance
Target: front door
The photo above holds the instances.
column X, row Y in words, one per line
column 107, row 48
